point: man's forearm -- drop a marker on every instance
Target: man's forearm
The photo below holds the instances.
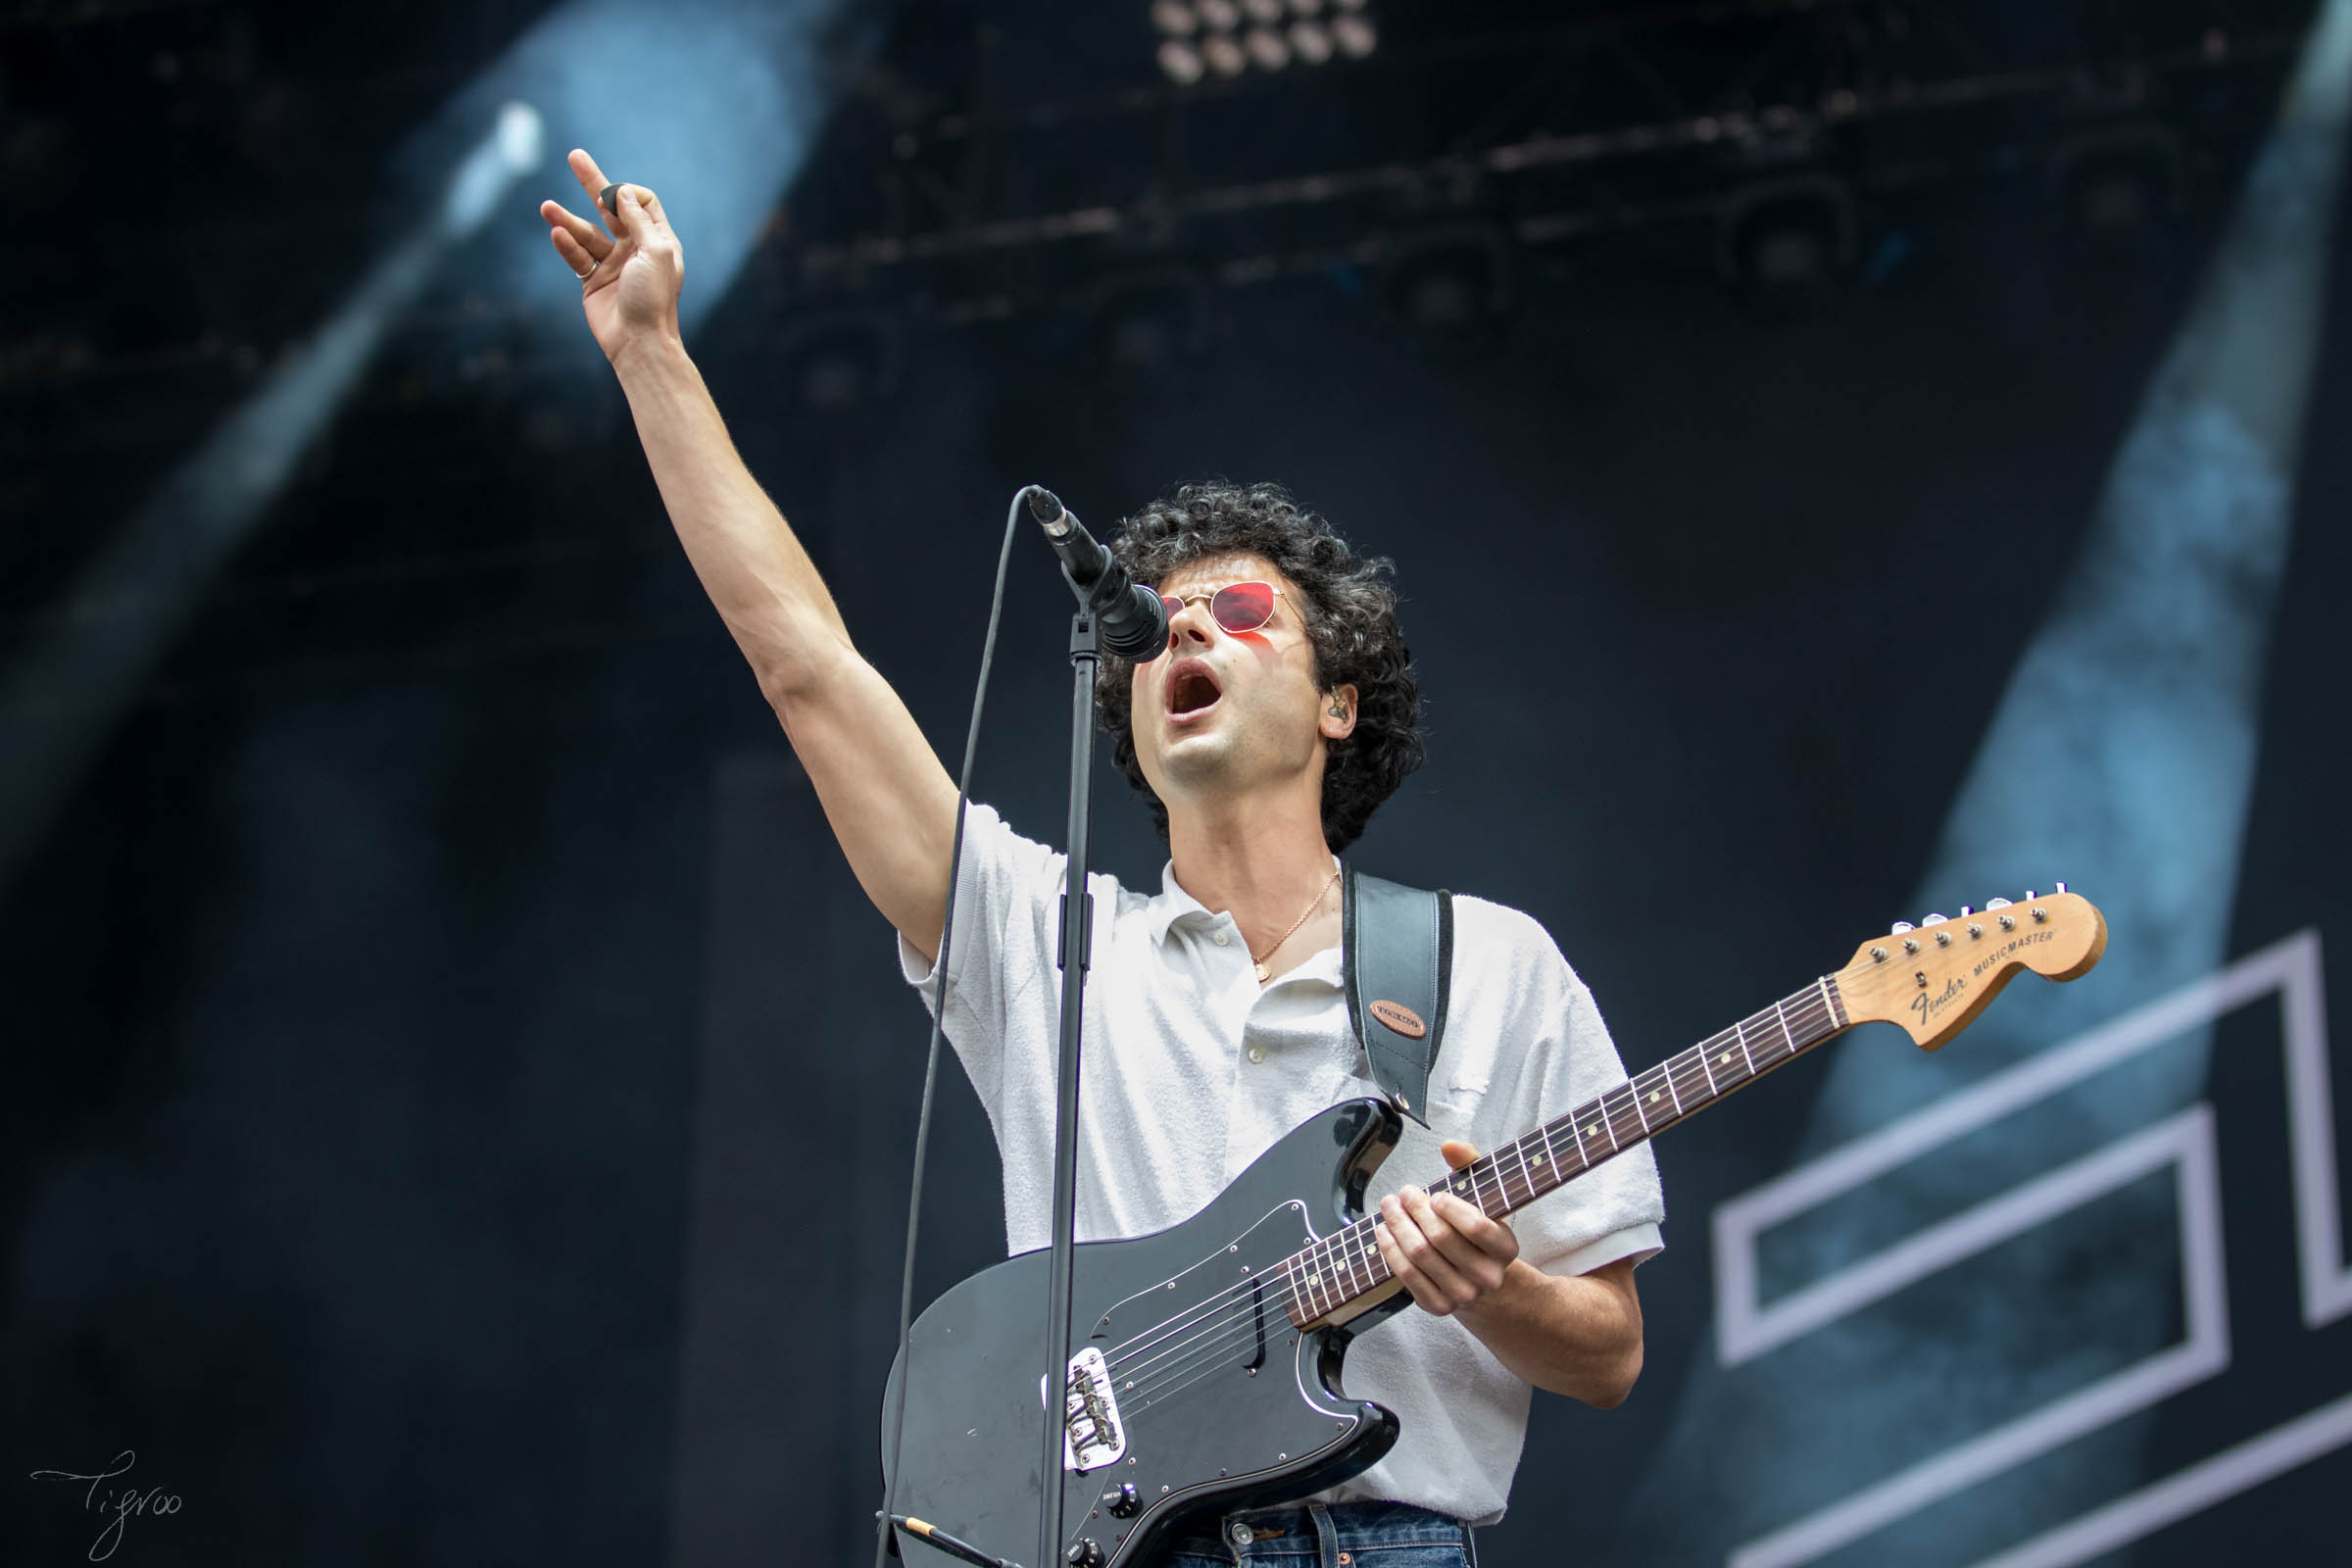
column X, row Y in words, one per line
column 757, row 574
column 1580, row 1335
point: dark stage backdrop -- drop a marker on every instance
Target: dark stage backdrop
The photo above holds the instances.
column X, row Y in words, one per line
column 459, row 1100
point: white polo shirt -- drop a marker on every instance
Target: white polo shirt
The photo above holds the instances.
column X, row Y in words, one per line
column 1192, row 1070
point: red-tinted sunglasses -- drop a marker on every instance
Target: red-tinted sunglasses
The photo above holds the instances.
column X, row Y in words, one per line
column 1238, row 606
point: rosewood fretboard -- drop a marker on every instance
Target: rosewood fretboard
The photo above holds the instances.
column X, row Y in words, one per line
column 1324, row 1280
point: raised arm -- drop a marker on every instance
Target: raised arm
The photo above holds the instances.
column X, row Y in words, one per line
column 891, row 803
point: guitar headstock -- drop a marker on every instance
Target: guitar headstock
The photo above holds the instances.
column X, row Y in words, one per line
column 1932, row 978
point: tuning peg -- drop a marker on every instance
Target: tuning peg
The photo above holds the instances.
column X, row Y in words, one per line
column 1999, row 903
column 1901, row 926
column 1933, row 919
column 2031, row 895
column 2062, row 887
column 1965, row 910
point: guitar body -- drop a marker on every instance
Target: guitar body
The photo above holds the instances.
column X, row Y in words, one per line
column 1217, row 1400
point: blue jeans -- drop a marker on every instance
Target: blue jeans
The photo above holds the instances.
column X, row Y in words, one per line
column 1339, row 1535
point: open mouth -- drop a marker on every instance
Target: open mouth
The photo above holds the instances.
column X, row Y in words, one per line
column 1192, row 691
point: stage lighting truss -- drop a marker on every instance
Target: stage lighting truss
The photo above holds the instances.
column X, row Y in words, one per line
column 1223, row 38
column 1779, row 175
column 1612, row 126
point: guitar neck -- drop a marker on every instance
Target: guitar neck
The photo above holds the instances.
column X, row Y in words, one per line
column 1324, row 1280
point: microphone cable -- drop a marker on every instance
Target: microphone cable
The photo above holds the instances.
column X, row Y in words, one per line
column 939, row 1014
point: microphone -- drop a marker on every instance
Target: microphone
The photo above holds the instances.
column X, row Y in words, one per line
column 1133, row 622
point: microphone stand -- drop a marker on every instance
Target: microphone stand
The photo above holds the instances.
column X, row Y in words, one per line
column 1077, row 934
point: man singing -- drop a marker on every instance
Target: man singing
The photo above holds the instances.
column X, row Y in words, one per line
column 1282, row 713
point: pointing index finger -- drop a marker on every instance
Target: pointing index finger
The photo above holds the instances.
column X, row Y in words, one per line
column 591, row 178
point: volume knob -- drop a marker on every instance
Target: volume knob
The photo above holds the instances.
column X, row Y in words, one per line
column 1084, row 1554
column 1121, row 1501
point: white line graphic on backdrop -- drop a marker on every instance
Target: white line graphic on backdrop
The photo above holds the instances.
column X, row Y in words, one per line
column 2177, row 1496
column 2184, row 1141
column 1748, row 1329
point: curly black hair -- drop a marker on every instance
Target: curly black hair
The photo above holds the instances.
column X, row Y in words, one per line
column 1350, row 618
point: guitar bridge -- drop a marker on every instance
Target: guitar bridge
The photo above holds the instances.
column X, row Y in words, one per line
column 1093, row 1435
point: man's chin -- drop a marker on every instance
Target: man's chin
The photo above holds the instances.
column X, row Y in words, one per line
column 1192, row 758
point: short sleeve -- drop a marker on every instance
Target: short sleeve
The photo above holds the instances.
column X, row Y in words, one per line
column 1615, row 1210
column 1551, row 1053
column 1005, row 899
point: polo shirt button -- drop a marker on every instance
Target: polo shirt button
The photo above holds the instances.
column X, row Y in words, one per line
column 1223, row 940
column 1257, row 1052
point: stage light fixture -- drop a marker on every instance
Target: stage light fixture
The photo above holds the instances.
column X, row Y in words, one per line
column 514, row 148
column 1180, row 62
column 1784, row 241
column 1449, row 285
column 1143, row 324
column 1266, row 48
column 713, row 103
column 1230, row 36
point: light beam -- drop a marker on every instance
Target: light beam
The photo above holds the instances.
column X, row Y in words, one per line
column 129, row 603
column 713, row 103
column 2121, row 756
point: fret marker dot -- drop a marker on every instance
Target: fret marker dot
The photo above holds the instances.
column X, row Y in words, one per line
column 1592, row 1131
column 1653, row 1096
column 1724, row 1061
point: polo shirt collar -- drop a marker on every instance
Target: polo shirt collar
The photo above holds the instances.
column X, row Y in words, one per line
column 1173, row 904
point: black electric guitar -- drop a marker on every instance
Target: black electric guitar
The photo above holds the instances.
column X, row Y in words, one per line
column 1206, row 1356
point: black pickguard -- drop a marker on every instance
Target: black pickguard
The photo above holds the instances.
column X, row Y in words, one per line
column 1222, row 1402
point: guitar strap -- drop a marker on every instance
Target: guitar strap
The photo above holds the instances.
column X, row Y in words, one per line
column 1397, row 947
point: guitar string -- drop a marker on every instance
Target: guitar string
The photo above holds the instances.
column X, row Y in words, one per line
column 1216, row 1321
column 1188, row 1368
column 1173, row 1375
column 1215, row 1311
column 1821, row 1003
column 1823, row 1006
column 1685, row 1065
column 1207, row 1348
column 1811, row 1013
column 1819, row 1008
column 1355, row 1245
column 1353, row 1239
column 1685, row 1070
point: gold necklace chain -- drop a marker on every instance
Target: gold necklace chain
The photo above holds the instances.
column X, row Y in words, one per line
column 1260, row 958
